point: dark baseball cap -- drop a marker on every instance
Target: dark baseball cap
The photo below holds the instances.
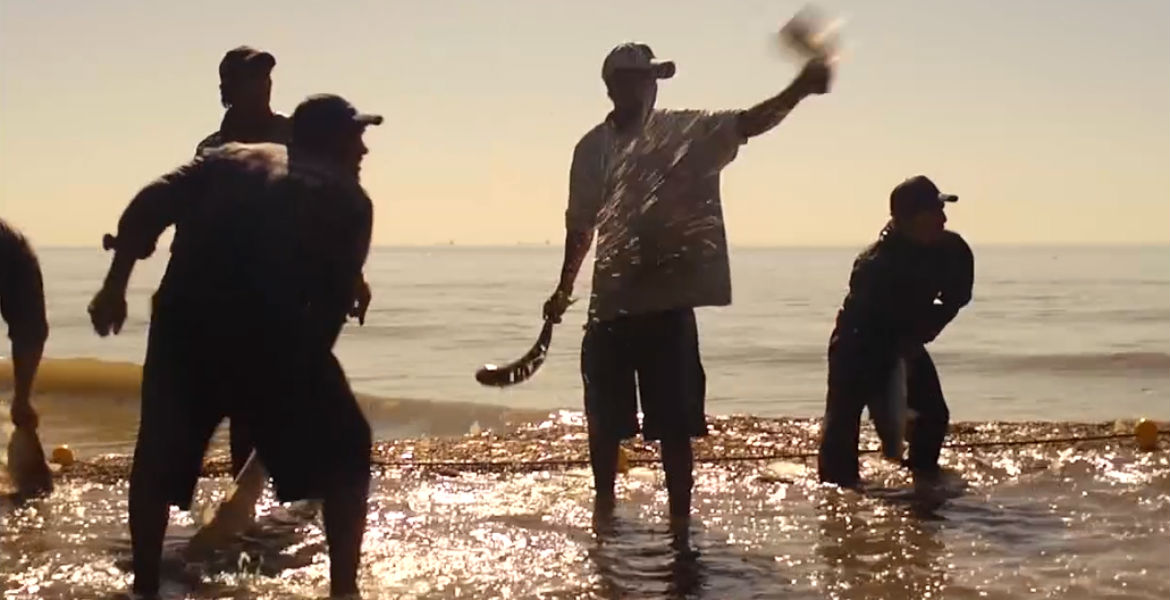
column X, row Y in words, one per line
column 321, row 114
column 915, row 195
column 245, row 60
column 635, row 56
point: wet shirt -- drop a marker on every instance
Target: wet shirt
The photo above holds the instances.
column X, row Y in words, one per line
column 22, row 296
column 653, row 198
column 900, row 292
column 277, row 129
column 257, row 231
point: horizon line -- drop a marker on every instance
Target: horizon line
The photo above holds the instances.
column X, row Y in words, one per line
column 749, row 246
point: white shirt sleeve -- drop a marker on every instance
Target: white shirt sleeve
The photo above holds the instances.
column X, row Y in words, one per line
column 586, row 183
column 721, row 136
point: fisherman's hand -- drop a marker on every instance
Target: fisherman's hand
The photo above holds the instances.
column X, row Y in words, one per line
column 107, row 311
column 816, row 77
column 23, row 414
column 556, row 305
column 361, row 301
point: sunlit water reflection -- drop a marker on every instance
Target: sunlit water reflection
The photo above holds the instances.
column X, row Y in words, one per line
column 1061, row 521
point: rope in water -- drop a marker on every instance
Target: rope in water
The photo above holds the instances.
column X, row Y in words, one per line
column 554, row 463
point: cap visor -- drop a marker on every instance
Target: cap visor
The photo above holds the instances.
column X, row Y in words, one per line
column 263, row 59
column 948, row 197
column 663, row 69
column 368, row 119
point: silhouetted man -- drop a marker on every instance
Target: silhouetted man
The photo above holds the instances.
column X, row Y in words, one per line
column 245, row 90
column 268, row 242
column 904, row 289
column 647, row 181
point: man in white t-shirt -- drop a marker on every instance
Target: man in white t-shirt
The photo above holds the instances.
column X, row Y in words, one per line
column 646, row 181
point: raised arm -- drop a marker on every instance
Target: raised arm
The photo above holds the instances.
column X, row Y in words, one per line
column 814, row 78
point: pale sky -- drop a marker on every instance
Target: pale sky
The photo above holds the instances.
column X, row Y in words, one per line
column 1049, row 118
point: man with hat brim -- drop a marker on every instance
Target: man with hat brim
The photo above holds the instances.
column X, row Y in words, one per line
column 646, row 180
column 245, row 90
column 268, row 241
column 903, row 291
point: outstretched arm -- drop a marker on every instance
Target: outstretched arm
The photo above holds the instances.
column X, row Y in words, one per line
column 158, row 206
column 761, row 118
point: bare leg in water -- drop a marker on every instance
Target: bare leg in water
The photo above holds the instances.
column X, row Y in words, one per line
column 149, row 513
column 678, row 462
column 603, row 453
column 345, row 524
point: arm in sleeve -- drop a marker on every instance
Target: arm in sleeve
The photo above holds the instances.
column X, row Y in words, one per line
column 342, row 251
column 22, row 295
column 158, row 206
column 586, row 199
column 22, row 305
column 586, row 183
column 723, row 135
column 955, row 289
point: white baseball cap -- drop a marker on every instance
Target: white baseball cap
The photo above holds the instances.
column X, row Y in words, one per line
column 635, row 56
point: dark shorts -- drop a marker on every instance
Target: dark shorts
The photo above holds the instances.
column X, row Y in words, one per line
column 306, row 424
column 655, row 357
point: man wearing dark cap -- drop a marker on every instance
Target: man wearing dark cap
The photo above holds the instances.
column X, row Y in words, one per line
column 903, row 291
column 646, row 180
column 245, row 90
column 268, row 241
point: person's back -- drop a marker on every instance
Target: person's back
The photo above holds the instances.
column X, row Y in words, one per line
column 252, row 238
column 234, row 215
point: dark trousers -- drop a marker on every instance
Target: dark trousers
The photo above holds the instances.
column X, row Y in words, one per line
column 852, row 387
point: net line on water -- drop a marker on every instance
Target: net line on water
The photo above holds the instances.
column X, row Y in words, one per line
column 116, row 468
column 553, row 463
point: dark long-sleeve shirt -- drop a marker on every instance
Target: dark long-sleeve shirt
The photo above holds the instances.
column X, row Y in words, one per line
column 902, row 293
column 258, row 231
column 22, row 295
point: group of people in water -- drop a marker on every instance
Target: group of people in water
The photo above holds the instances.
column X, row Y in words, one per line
column 272, row 231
